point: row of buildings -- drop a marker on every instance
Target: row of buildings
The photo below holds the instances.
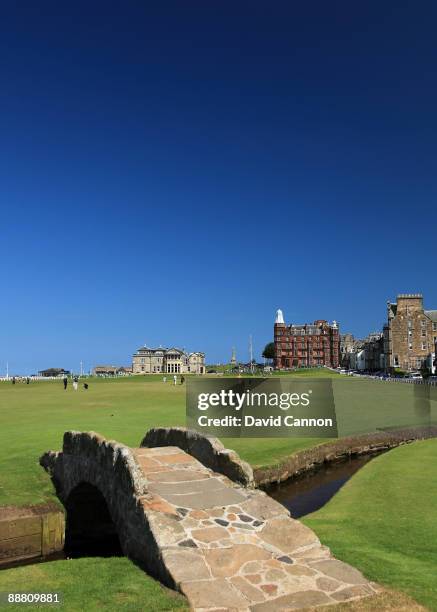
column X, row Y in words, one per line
column 362, row 354
column 146, row 360
column 407, row 342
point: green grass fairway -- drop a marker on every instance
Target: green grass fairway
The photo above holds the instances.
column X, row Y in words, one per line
column 34, row 417
column 383, row 521
column 91, row 584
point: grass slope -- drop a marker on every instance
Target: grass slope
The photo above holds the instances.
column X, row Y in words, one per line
column 91, row 584
column 383, row 521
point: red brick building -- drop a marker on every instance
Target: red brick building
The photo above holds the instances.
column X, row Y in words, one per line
column 308, row 345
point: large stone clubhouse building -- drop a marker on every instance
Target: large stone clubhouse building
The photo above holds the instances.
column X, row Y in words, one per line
column 309, row 345
column 167, row 361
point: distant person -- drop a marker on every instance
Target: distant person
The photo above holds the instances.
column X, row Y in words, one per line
column 164, row 379
column 75, row 383
column 175, row 380
column 85, row 386
column 27, row 380
column 65, row 381
column 13, row 380
column 182, row 380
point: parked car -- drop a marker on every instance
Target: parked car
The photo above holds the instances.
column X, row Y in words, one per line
column 414, row 375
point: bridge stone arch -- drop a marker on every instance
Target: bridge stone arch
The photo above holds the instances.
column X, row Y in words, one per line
column 89, row 526
column 100, row 474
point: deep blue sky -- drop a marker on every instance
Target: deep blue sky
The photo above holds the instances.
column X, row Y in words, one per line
column 173, row 172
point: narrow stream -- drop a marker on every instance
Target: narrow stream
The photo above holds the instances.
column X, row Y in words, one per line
column 311, row 491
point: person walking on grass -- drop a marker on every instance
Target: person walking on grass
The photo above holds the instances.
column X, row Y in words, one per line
column 182, row 380
column 75, row 381
column 65, row 381
column 164, row 379
column 175, row 379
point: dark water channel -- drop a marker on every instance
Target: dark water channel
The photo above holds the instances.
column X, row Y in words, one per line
column 311, row 491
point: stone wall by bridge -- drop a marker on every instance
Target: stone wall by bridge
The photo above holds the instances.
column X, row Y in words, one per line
column 207, row 449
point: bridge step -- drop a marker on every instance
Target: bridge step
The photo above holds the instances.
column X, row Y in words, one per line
column 230, row 547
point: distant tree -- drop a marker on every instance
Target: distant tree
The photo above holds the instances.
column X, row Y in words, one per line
column 269, row 351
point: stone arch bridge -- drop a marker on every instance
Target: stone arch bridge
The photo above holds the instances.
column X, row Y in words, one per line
column 185, row 508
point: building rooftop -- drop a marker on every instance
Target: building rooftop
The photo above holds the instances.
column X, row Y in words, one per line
column 432, row 314
column 163, row 351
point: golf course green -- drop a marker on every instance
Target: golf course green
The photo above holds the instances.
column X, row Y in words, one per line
column 382, row 521
column 34, row 417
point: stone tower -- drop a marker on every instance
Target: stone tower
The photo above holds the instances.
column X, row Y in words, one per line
column 279, row 317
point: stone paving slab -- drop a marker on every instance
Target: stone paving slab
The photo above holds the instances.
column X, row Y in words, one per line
column 231, row 548
column 175, row 475
column 204, row 493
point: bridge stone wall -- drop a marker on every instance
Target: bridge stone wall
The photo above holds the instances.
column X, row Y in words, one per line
column 207, row 449
column 310, row 459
